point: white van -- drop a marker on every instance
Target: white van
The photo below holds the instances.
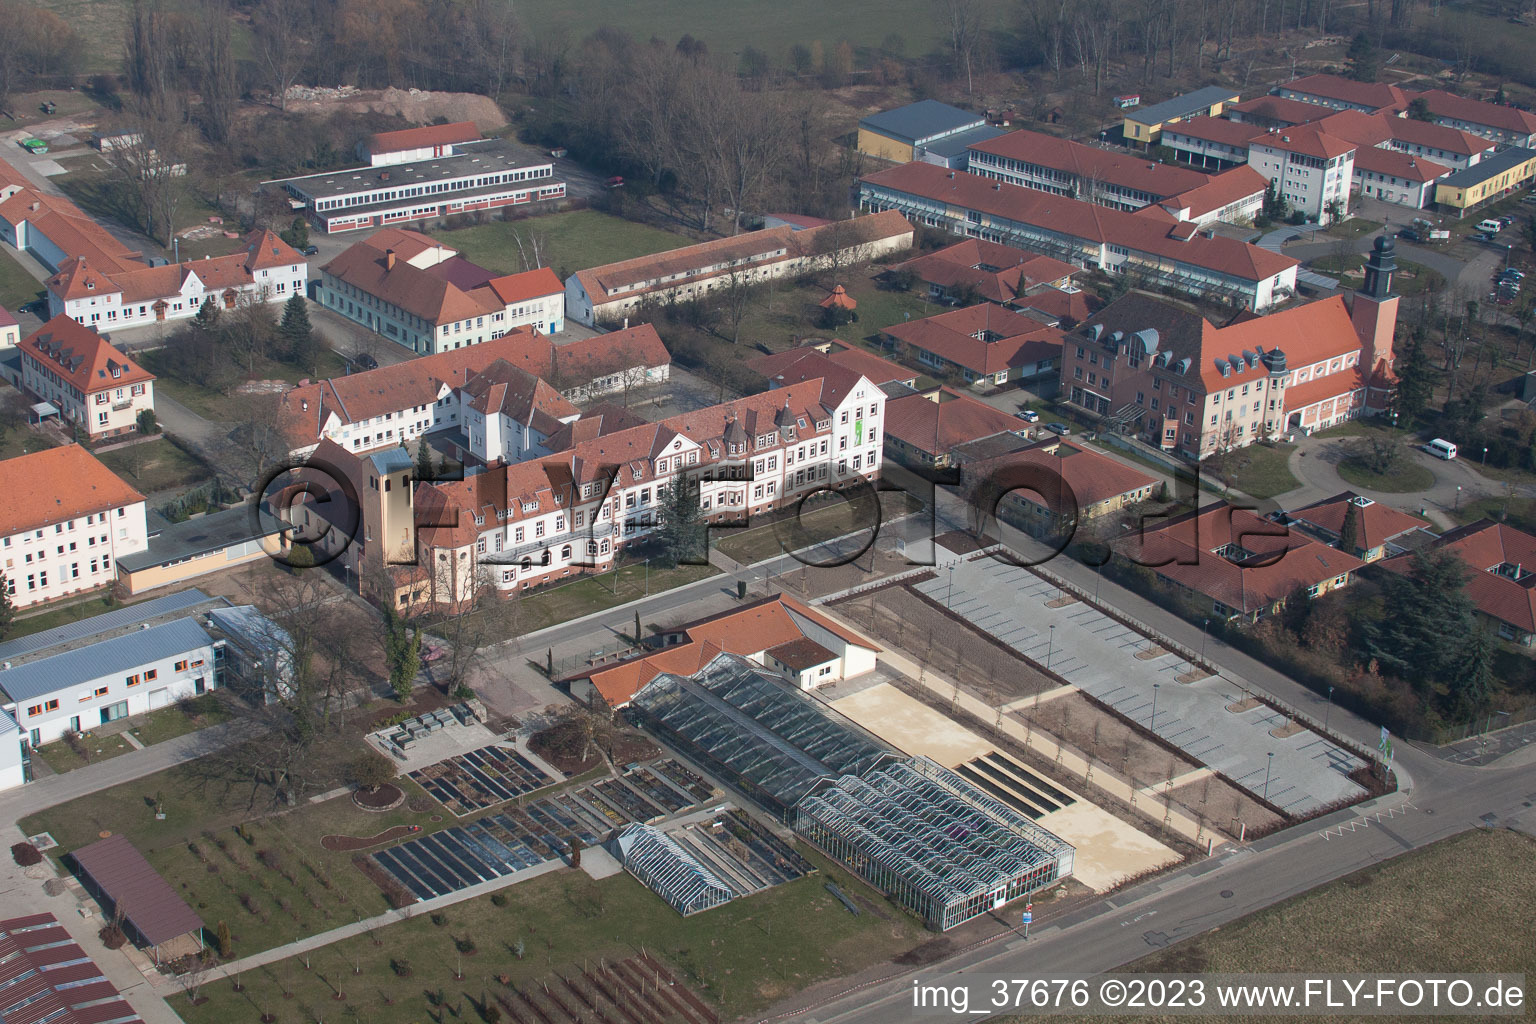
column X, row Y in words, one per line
column 1492, row 227
column 1441, row 449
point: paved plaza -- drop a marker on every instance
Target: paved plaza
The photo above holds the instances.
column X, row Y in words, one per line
column 1098, row 654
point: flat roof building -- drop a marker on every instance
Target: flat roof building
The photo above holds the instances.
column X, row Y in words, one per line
column 1146, row 124
column 479, row 176
column 1489, row 178
column 902, row 134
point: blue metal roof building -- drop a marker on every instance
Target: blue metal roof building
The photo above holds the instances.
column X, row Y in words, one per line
column 898, row 134
column 75, row 632
column 66, row 672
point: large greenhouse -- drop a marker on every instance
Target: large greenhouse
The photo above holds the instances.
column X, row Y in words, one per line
column 767, row 739
column 670, row 871
column 927, row 836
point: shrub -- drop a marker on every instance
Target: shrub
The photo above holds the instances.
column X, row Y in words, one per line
column 439, row 918
column 498, row 899
column 464, row 945
column 402, row 968
column 25, row 854
column 112, row 937
column 372, row 770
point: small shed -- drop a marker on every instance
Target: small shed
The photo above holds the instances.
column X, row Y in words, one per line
column 123, row 882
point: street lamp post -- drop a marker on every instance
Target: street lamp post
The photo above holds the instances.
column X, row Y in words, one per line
column 1485, row 456
column 1458, row 498
column 1050, row 646
column 1329, row 712
column 647, row 577
column 1267, row 766
column 1205, row 631
column 1152, row 726
column 951, row 592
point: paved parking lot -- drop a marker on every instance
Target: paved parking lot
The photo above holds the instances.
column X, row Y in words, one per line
column 1098, row 654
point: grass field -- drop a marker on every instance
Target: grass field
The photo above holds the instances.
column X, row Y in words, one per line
column 60, row 616
column 157, row 466
column 61, row 758
column 1401, row 478
column 17, row 287
column 816, row 524
column 23, row 441
column 277, row 885
column 572, row 241
column 594, row 593
column 1411, row 278
column 1459, row 906
column 1262, row 471
column 179, row 719
column 741, row 956
column 214, row 405
column 770, row 27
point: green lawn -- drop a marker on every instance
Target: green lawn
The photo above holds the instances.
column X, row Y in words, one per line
column 95, row 188
column 1262, row 470
column 62, row 758
column 771, row 28
column 1517, row 512
column 17, row 287
column 22, row 441
column 835, row 520
column 157, row 466
column 274, row 886
column 179, row 719
column 571, row 241
column 214, row 405
column 1401, row 478
column 1355, row 227
column 742, row 956
column 1411, row 278
column 60, row 616
column 594, row 593
column 1435, row 909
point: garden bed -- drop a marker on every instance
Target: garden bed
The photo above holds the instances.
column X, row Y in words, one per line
column 347, row 844
column 386, row 798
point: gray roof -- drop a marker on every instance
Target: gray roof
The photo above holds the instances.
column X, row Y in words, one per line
column 109, row 657
column 245, row 622
column 491, row 156
column 921, row 120
column 1488, row 167
column 390, row 460
column 201, row 535
column 1181, row 106
column 955, row 145
column 73, row 632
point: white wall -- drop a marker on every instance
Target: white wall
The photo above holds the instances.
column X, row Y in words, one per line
column 79, row 700
column 71, row 556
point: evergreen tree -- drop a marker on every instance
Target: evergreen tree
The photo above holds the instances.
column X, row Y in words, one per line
column 424, row 468
column 1473, row 682
column 296, row 234
column 1363, row 62
column 1418, row 110
column 226, row 941
column 1275, row 207
column 1414, row 379
column 402, row 653
column 1425, row 619
column 680, row 528
column 7, row 607
column 1349, row 533
column 207, row 315
column 1499, row 96
column 298, row 337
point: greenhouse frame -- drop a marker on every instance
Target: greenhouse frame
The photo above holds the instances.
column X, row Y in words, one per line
column 769, row 740
column 670, row 871
column 938, row 844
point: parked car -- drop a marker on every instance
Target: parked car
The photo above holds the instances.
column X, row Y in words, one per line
column 1518, row 275
column 365, row 361
column 558, row 152
column 1059, row 428
column 37, row 147
column 615, row 181
column 36, row 306
column 311, row 250
column 1409, row 234
column 1506, row 221
column 1028, row 415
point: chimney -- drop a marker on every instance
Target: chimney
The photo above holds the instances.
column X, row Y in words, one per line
column 389, row 259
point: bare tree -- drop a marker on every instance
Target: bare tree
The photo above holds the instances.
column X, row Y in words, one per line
column 738, row 291
column 760, row 129
column 963, row 23
column 146, row 162
column 471, row 628
column 531, row 248
column 280, row 44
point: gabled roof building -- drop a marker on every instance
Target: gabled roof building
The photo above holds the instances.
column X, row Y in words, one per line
column 51, row 980
column 88, row 381
column 986, row 345
column 1501, row 574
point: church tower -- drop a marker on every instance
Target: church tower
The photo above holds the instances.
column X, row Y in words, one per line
column 1373, row 310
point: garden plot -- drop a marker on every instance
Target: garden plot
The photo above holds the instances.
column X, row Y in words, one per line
column 478, row 779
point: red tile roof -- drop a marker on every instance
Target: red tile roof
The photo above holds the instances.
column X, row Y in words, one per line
column 1278, row 108
column 136, row 890
column 774, row 623
column 417, row 291
column 1090, row 162
column 530, row 284
column 1375, row 523
column 936, row 427
column 1089, row 476
column 1460, row 108
column 1437, row 136
column 1271, row 565
column 1484, row 546
column 79, row 355
column 1215, row 129
column 1087, row 221
column 505, row 389
column 1012, row 339
column 46, row 976
column 10, row 177
column 1357, row 126
column 1307, row 141
column 1398, row 165
column 1376, row 95
column 426, row 135
column 1229, row 187
column 56, row 485
column 997, row 272
column 753, row 248
column 67, row 226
